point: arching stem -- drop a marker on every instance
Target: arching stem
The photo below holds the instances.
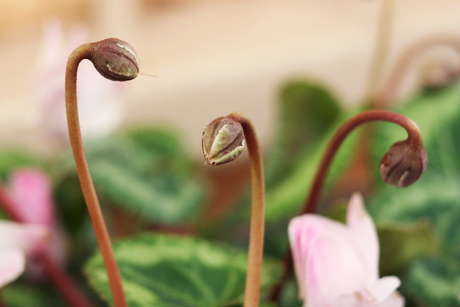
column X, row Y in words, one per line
column 313, row 197
column 257, row 228
column 402, row 64
column 368, row 116
column 92, row 202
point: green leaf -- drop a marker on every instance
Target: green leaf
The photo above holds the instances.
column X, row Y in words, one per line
column 166, row 271
column 400, row 244
column 21, row 294
column 433, row 197
column 11, row 160
column 70, row 202
column 306, row 111
column 143, row 176
column 434, row 282
column 290, row 294
column 287, row 197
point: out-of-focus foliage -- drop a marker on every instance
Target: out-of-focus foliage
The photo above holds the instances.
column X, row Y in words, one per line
column 305, row 112
column 437, row 113
column 402, row 243
column 165, row 270
column 296, row 154
column 13, row 159
column 146, row 172
column 434, row 281
column 27, row 295
column 434, row 198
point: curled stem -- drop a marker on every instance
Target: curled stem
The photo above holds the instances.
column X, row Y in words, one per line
column 402, row 164
column 402, row 64
column 414, row 137
column 63, row 282
column 115, row 60
column 223, row 142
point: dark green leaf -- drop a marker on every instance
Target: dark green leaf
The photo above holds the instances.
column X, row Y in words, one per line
column 166, row 271
column 434, row 282
column 11, row 160
column 152, row 179
column 288, row 196
column 306, row 111
column 400, row 244
column 22, row 295
column 433, row 197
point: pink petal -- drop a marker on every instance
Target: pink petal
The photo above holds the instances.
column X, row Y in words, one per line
column 302, row 230
column 31, row 191
column 27, row 237
column 363, row 231
column 333, row 268
column 380, row 293
column 12, row 264
column 393, row 300
column 382, row 288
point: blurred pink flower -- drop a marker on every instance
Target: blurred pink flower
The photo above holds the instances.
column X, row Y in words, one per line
column 99, row 100
column 336, row 265
column 31, row 191
column 17, row 240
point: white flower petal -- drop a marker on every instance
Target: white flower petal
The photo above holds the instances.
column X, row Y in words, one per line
column 333, row 269
column 27, row 237
column 302, row 230
column 12, row 264
column 363, row 231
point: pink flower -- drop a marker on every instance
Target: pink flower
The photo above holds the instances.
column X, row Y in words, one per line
column 16, row 241
column 336, row 265
column 31, row 191
column 99, row 100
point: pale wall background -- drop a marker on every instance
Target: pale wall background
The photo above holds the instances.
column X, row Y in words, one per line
column 213, row 56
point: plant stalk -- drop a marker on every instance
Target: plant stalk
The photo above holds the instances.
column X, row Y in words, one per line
column 257, row 228
column 92, row 202
column 312, row 200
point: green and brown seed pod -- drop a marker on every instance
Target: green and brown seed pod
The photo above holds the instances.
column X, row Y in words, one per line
column 115, row 59
column 223, row 141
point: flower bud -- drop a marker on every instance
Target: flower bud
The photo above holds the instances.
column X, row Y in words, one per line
column 403, row 164
column 223, row 141
column 115, row 59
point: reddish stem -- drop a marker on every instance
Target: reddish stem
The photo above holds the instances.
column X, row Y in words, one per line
column 362, row 118
column 311, row 202
column 63, row 282
column 257, row 228
column 89, row 192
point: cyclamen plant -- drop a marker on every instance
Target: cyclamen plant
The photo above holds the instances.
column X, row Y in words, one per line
column 335, row 264
column 223, row 140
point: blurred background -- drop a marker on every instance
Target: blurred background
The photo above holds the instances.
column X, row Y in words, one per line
column 212, row 56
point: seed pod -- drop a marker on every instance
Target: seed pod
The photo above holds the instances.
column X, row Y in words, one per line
column 403, row 164
column 223, row 141
column 115, row 59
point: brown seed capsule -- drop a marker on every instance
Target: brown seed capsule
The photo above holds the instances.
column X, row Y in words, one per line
column 403, row 164
column 115, row 59
column 223, row 141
